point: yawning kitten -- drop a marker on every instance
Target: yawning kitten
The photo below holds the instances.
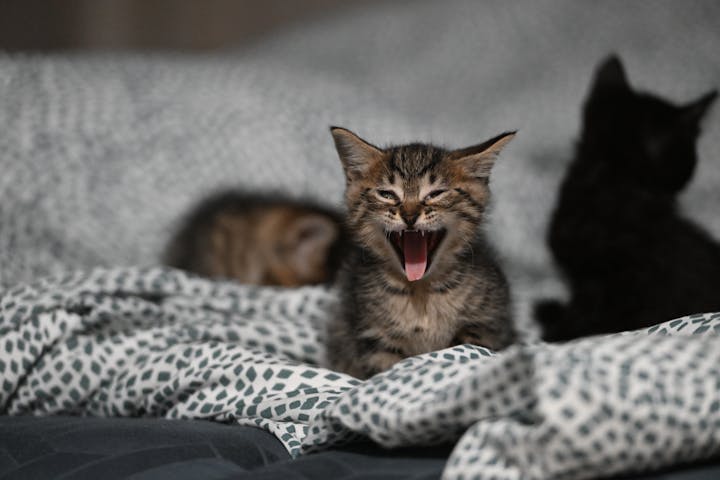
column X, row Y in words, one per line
column 421, row 276
column 631, row 260
column 259, row 239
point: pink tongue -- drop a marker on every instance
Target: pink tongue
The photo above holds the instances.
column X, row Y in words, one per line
column 415, row 252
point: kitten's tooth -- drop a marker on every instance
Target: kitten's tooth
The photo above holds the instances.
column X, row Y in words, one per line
column 422, row 233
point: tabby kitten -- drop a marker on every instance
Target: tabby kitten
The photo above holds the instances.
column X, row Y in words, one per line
column 421, row 275
column 630, row 259
column 261, row 239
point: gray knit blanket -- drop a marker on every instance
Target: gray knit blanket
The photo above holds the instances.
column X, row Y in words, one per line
column 101, row 154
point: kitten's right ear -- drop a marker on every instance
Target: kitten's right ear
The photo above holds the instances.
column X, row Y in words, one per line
column 696, row 110
column 611, row 74
column 479, row 159
column 356, row 154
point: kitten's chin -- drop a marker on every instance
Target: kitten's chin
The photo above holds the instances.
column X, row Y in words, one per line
column 416, row 250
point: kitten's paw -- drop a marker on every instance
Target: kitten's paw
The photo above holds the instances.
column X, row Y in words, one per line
column 378, row 362
column 491, row 338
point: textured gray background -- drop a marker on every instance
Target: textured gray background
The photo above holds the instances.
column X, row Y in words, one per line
column 99, row 155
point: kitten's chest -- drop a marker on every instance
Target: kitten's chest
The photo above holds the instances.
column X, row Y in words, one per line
column 424, row 322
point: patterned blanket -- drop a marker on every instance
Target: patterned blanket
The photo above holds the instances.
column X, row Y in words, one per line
column 155, row 342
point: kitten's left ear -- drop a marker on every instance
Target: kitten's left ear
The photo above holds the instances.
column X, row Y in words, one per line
column 311, row 237
column 610, row 74
column 478, row 160
column 696, row 110
column 356, row 154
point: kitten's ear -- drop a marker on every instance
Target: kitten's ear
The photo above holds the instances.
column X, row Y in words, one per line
column 611, row 74
column 310, row 238
column 478, row 160
column 356, row 154
column 696, row 110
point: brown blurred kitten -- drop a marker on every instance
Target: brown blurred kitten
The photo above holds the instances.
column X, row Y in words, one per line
column 420, row 276
column 258, row 239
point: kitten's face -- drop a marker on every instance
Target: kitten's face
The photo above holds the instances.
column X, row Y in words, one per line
column 415, row 205
column 645, row 140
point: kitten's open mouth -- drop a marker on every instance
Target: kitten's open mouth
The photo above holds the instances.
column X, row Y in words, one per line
column 416, row 248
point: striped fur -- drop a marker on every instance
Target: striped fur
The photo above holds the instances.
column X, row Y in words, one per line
column 259, row 239
column 463, row 296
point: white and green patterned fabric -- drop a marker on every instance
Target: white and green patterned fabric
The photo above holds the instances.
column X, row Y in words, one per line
column 101, row 154
column 155, row 342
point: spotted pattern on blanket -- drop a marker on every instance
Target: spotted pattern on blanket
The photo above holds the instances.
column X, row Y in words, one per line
column 619, row 403
column 156, row 342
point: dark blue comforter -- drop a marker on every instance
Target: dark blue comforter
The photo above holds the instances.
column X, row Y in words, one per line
column 113, row 448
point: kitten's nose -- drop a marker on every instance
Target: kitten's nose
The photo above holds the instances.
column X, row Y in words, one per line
column 410, row 218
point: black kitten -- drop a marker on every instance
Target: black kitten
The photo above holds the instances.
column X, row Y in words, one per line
column 631, row 260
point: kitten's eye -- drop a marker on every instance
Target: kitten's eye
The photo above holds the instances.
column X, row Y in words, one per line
column 388, row 194
column 434, row 194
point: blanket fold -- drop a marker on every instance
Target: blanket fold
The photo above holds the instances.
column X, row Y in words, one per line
column 155, row 342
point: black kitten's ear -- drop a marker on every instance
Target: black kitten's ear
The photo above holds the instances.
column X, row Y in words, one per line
column 696, row 110
column 478, row 160
column 356, row 154
column 611, row 74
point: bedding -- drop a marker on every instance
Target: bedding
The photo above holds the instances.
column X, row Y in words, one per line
column 83, row 447
column 66, row 447
column 157, row 343
column 101, row 154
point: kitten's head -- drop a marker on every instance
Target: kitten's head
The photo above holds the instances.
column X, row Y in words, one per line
column 415, row 205
column 259, row 238
column 283, row 245
column 644, row 140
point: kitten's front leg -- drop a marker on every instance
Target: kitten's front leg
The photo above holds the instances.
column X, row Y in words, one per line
column 489, row 336
column 375, row 352
column 377, row 362
column 364, row 362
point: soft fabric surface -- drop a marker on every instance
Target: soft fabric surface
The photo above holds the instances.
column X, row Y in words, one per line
column 140, row 448
column 73, row 448
column 100, row 155
column 156, row 343
column 127, row 342
column 79, row 448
